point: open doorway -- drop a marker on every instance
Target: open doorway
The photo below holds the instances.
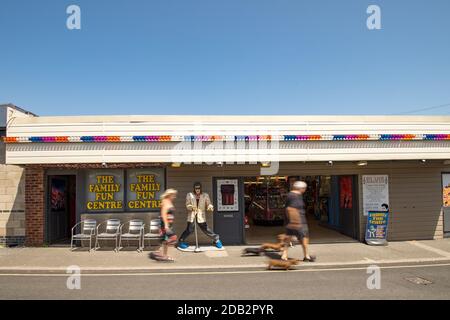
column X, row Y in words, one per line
column 61, row 208
column 330, row 219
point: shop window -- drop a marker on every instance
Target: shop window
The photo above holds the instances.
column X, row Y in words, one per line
column 144, row 187
column 104, row 190
column 118, row 190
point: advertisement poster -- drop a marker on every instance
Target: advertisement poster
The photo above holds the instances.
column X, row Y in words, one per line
column 58, row 195
column 376, row 229
column 292, row 180
column 375, row 193
column 346, row 192
column 227, row 195
column 446, row 190
column 104, row 190
column 144, row 187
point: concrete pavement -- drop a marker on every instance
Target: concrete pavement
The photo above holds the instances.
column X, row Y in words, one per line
column 56, row 260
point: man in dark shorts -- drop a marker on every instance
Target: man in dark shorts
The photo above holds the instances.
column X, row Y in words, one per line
column 297, row 224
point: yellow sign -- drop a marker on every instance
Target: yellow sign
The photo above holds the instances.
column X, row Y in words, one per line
column 143, row 191
column 104, row 192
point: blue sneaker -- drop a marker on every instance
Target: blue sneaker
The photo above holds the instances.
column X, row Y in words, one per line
column 219, row 244
column 183, row 245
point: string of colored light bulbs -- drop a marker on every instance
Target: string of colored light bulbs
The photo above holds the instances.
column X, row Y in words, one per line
column 237, row 138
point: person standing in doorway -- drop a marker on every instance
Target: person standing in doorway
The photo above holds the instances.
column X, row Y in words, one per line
column 197, row 203
column 297, row 224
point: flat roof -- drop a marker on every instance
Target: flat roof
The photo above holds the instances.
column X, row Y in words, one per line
column 238, row 118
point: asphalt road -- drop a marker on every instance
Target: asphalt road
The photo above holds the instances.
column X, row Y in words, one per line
column 317, row 284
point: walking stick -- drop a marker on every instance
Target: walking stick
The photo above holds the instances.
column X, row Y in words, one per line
column 197, row 249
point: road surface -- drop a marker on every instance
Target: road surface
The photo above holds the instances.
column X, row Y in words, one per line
column 425, row 282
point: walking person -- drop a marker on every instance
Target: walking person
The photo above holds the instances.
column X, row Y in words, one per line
column 197, row 204
column 169, row 238
column 297, row 224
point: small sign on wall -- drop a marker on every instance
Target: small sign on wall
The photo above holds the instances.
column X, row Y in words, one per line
column 227, row 195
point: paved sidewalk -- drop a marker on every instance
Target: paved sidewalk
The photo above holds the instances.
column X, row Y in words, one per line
column 47, row 260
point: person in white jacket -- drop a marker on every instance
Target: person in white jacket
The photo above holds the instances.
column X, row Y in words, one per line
column 197, row 204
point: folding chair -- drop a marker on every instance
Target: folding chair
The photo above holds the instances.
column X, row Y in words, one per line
column 154, row 231
column 112, row 232
column 88, row 232
column 135, row 232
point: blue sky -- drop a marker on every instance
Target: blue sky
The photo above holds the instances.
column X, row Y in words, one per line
column 225, row 57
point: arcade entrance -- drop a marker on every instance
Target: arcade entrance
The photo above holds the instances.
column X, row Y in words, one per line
column 61, row 214
column 331, row 207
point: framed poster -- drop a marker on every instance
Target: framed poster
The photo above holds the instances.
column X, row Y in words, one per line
column 144, row 187
column 375, row 193
column 446, row 190
column 227, row 195
column 104, row 190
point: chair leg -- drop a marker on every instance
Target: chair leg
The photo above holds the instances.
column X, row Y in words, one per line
column 71, row 244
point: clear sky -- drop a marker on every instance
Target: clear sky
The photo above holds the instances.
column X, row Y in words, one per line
column 225, row 57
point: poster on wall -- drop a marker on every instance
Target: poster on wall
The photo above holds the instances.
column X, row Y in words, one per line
column 375, row 193
column 104, row 191
column 292, row 180
column 144, row 187
column 446, row 190
column 376, row 229
column 346, row 192
column 58, row 195
column 227, row 195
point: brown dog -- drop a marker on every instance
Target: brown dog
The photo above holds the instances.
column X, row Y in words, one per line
column 282, row 264
column 272, row 246
column 282, row 241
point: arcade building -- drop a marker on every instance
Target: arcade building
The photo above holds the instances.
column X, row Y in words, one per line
column 59, row 170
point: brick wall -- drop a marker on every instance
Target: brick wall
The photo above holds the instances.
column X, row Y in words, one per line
column 34, row 206
column 12, row 203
